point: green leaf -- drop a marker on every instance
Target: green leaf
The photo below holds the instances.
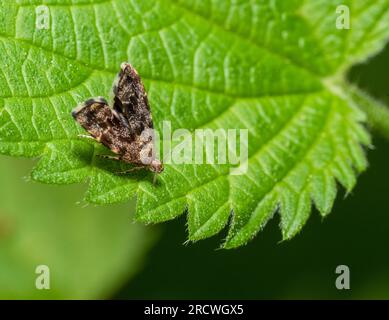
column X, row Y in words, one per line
column 271, row 67
column 89, row 253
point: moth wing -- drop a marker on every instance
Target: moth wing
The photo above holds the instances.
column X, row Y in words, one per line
column 103, row 123
column 130, row 99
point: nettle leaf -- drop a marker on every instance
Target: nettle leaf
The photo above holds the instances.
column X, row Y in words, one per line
column 273, row 68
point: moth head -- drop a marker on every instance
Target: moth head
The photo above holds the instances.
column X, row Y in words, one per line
column 156, row 166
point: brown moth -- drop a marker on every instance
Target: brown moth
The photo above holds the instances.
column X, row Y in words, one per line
column 126, row 128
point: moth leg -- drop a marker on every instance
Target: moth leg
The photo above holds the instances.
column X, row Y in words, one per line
column 155, row 179
column 120, row 173
column 86, row 136
column 105, row 156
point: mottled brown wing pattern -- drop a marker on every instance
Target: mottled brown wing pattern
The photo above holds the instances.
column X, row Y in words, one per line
column 130, row 99
column 122, row 128
column 104, row 124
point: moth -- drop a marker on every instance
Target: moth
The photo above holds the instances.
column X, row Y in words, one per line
column 126, row 128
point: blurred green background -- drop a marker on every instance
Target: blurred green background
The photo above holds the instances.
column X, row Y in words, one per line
column 90, row 251
column 97, row 252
